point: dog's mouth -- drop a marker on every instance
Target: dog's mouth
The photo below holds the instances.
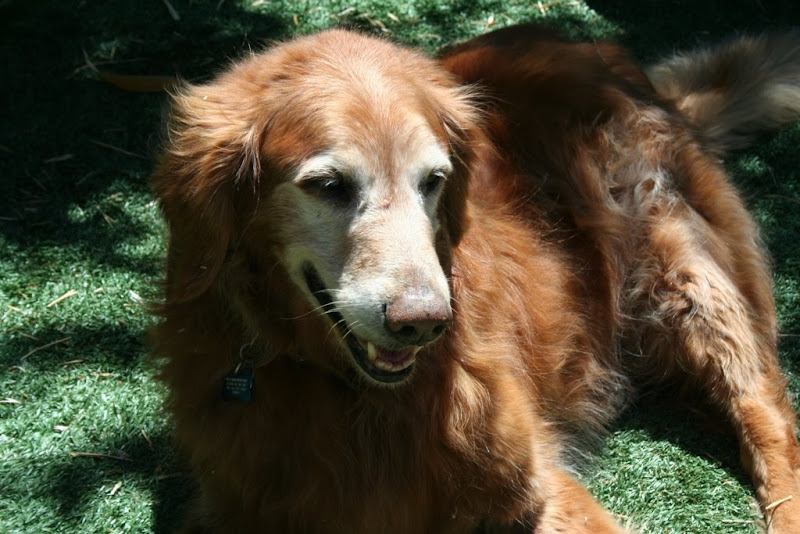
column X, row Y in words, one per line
column 379, row 363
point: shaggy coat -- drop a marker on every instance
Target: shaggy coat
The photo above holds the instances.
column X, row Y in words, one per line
column 435, row 267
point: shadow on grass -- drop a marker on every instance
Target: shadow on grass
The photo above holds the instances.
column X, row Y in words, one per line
column 124, row 445
column 769, row 177
column 700, row 431
column 143, row 466
column 116, row 347
column 70, row 136
column 151, row 465
column 106, row 227
column 658, row 27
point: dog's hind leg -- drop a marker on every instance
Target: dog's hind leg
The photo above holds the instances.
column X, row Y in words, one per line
column 702, row 316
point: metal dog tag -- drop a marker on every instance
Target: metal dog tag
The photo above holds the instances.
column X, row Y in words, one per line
column 238, row 384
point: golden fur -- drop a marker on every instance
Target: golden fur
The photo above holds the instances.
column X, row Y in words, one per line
column 339, row 197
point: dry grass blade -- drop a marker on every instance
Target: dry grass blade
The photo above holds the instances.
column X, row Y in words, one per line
column 784, row 197
column 147, row 438
column 138, row 84
column 773, row 505
column 172, row 11
column 78, row 454
column 58, row 159
column 65, row 296
column 117, row 149
column 37, row 349
column 171, row 475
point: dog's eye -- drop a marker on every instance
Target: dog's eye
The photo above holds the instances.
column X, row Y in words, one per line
column 331, row 187
column 432, row 183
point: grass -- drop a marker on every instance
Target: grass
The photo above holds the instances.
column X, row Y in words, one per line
column 83, row 444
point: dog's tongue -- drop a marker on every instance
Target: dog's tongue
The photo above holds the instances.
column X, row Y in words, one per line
column 395, row 356
column 390, row 360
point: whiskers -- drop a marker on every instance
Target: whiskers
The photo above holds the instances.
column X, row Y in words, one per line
column 346, row 331
column 332, row 309
column 323, row 309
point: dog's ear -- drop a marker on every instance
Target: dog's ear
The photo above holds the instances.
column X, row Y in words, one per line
column 211, row 152
column 461, row 122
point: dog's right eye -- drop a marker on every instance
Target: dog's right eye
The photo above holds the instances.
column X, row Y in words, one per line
column 331, row 187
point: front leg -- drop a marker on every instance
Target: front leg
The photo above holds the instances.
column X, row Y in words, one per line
column 571, row 509
column 565, row 507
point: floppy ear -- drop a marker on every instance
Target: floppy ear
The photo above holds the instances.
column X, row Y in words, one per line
column 212, row 150
column 461, row 122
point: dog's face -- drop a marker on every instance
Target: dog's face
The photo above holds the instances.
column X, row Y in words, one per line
column 362, row 174
column 358, row 225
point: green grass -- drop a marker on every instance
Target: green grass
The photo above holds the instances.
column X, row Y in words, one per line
column 76, row 219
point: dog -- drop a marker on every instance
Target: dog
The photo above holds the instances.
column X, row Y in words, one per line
column 402, row 292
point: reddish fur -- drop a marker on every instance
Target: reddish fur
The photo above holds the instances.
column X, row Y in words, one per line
column 591, row 219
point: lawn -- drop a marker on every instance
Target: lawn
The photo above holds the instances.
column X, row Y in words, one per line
column 84, row 446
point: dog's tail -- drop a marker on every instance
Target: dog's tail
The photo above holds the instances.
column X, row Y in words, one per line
column 733, row 91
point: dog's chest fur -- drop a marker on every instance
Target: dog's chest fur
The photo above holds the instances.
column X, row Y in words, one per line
column 385, row 461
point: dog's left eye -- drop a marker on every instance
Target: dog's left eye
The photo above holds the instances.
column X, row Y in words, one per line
column 432, row 183
column 331, row 187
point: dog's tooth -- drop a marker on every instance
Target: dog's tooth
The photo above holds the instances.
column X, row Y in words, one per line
column 384, row 365
column 372, row 352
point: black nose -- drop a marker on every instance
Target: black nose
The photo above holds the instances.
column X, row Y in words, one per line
column 417, row 316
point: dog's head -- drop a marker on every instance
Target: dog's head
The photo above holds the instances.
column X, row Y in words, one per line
column 343, row 160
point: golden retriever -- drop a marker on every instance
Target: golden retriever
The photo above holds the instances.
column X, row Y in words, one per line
column 401, row 290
